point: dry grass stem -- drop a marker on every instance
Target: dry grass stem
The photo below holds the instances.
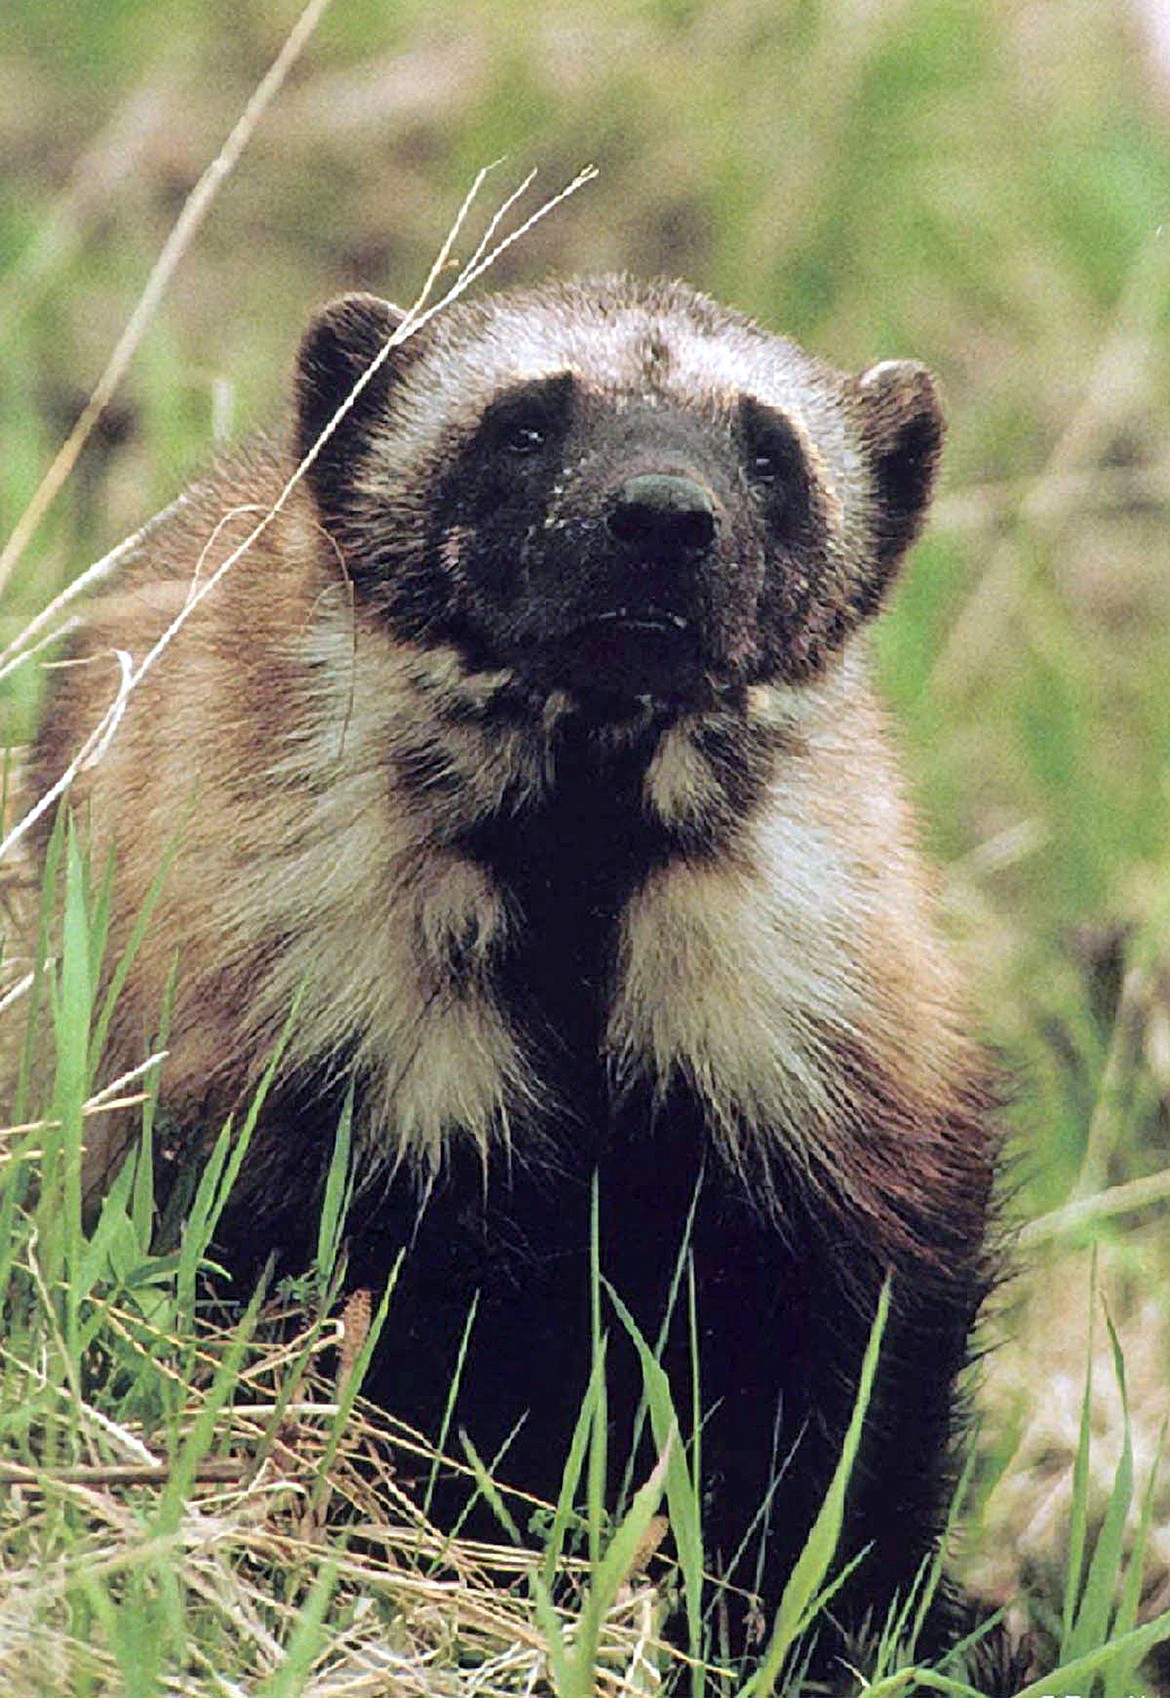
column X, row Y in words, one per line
column 1117, row 1200
column 195, row 209
column 18, row 651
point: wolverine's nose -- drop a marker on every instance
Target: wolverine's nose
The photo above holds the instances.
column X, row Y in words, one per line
column 663, row 513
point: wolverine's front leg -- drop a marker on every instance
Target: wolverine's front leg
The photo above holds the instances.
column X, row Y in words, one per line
column 784, row 1318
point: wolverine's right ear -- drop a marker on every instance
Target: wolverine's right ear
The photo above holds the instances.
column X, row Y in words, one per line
column 340, row 345
column 902, row 428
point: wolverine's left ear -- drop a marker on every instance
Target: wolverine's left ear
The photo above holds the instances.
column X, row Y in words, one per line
column 900, row 416
column 345, row 340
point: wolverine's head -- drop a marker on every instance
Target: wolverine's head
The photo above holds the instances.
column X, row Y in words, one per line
column 621, row 491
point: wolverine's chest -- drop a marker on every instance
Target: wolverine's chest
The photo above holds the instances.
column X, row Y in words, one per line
column 566, row 871
column 534, row 926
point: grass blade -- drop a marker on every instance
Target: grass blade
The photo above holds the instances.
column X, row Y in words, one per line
column 610, row 1575
column 335, row 1201
column 682, row 1490
column 1095, row 1606
column 449, row 1406
column 1079, row 1515
column 1122, row 1677
column 574, row 1463
column 812, row 1566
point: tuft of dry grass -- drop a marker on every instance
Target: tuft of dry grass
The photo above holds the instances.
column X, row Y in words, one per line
column 1032, row 1399
column 276, row 1563
column 195, row 209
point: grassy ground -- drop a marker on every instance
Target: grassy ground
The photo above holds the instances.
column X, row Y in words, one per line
column 980, row 185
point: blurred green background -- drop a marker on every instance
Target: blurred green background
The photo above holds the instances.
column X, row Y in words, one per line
column 977, row 183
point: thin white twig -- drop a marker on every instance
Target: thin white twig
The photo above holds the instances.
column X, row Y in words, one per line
column 87, row 580
column 102, row 1099
column 45, row 642
column 16, row 991
column 443, row 256
column 115, row 711
column 497, row 219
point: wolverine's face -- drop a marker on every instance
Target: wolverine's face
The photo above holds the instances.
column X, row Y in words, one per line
column 618, row 544
column 617, row 492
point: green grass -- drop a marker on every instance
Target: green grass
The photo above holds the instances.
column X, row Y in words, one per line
column 104, row 1349
column 129, row 1419
column 981, row 186
column 105, row 1341
column 110, row 1361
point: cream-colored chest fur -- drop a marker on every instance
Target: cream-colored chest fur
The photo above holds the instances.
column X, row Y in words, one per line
column 736, row 975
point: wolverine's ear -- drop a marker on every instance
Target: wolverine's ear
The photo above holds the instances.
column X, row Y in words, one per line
column 342, row 343
column 902, row 428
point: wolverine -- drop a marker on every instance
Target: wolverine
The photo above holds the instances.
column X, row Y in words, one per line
column 524, row 777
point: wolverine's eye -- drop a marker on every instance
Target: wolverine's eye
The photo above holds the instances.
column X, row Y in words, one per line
column 522, row 437
column 524, row 421
column 774, row 460
column 774, row 454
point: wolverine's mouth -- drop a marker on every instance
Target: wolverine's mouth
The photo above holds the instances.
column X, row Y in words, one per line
column 640, row 619
column 633, row 651
column 654, row 620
